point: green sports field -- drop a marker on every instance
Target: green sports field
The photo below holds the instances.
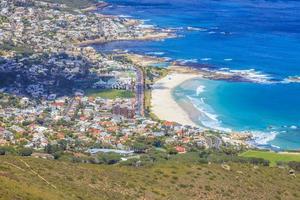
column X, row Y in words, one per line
column 273, row 157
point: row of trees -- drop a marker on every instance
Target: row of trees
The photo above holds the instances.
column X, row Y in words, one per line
column 5, row 150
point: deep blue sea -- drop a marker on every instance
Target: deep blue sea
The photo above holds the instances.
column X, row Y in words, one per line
column 236, row 34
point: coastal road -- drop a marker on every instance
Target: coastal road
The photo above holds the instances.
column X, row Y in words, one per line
column 140, row 94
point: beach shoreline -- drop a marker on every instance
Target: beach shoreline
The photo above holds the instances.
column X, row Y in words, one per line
column 163, row 104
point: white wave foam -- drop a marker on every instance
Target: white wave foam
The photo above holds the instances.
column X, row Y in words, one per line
column 200, row 89
column 224, row 69
column 211, row 32
column 190, row 28
column 293, row 127
column 291, row 79
column 202, row 100
column 263, row 138
column 156, row 53
column 207, row 118
column 249, row 74
column 205, row 59
column 125, row 16
column 228, row 59
column 146, row 26
column 167, row 58
column 121, row 50
column 274, row 146
column 187, row 61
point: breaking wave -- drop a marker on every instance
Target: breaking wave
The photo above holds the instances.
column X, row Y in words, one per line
column 207, row 117
column 156, row 53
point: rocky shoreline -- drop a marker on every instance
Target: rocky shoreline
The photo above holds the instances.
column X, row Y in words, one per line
column 203, row 70
column 148, row 36
column 98, row 6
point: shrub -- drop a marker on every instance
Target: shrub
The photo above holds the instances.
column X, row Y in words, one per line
column 203, row 161
column 25, row 152
column 57, row 155
column 172, row 151
column 2, row 151
column 109, row 158
column 281, row 163
column 76, row 160
column 131, row 162
column 7, row 150
column 139, row 147
column 294, row 165
column 259, row 161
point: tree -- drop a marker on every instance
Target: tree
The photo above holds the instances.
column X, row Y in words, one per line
column 158, row 142
column 63, row 144
column 51, row 149
column 139, row 147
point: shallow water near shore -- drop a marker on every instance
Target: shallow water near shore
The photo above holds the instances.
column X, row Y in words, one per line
column 259, row 35
column 247, row 106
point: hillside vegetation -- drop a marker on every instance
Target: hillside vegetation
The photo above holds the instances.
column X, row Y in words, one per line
column 179, row 178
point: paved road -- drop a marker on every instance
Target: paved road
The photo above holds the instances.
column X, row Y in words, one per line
column 67, row 109
column 140, row 95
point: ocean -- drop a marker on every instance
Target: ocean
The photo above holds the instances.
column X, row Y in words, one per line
column 256, row 35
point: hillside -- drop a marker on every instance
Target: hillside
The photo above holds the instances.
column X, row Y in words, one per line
column 167, row 180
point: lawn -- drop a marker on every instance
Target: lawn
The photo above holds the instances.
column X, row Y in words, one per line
column 110, row 93
column 273, row 157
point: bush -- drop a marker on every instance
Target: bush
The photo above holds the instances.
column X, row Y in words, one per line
column 7, row 150
column 221, row 157
column 294, row 165
column 131, row 162
column 2, row 151
column 259, row 161
column 57, row 155
column 204, row 154
column 25, row 152
column 139, row 147
column 281, row 163
column 172, row 151
column 76, row 160
column 94, row 160
column 203, row 161
column 109, row 158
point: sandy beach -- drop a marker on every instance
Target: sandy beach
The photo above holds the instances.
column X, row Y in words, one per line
column 162, row 102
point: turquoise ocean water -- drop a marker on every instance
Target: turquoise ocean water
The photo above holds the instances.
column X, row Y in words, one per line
column 239, row 35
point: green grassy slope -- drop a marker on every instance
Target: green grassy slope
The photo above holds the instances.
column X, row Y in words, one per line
column 167, row 180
